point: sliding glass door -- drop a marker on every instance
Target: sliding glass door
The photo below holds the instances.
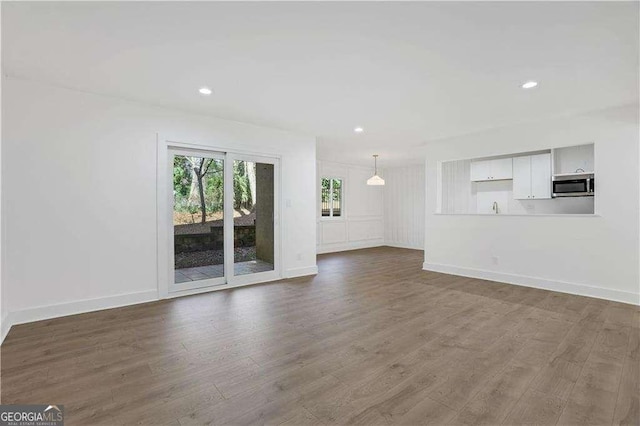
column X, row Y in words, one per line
column 224, row 219
column 198, row 219
column 254, row 210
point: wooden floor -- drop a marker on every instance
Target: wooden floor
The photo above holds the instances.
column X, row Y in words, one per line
column 371, row 340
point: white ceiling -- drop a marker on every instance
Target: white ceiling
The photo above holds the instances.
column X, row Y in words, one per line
column 406, row 72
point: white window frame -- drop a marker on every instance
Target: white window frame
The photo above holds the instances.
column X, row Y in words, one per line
column 342, row 198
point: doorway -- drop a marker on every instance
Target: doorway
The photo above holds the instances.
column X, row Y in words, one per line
column 224, row 219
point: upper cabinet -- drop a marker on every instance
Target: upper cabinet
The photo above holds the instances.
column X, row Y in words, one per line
column 501, row 169
column 480, row 170
column 532, row 177
column 496, row 169
column 522, row 177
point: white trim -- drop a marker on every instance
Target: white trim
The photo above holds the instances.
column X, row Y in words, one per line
column 192, row 285
column 162, row 221
column 91, row 305
column 234, row 280
column 542, row 283
column 81, row 307
column 6, row 327
column 404, row 246
column 229, row 224
column 301, row 272
column 254, row 278
column 333, row 248
column 351, row 165
column 522, row 214
column 289, row 273
column 171, row 155
column 343, row 210
column 191, row 292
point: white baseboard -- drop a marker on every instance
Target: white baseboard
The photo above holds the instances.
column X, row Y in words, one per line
column 89, row 305
column 300, row 272
column 81, row 306
column 542, row 283
column 5, row 327
column 405, row 246
column 334, row 248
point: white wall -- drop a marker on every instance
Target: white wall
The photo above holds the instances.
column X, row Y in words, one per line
column 596, row 256
column 404, row 193
column 4, row 325
column 79, row 195
column 362, row 223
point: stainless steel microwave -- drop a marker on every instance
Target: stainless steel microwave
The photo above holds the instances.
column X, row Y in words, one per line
column 573, row 185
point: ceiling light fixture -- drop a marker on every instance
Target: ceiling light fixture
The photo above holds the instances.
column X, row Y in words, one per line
column 358, row 130
column 375, row 179
column 529, row 84
column 205, row 91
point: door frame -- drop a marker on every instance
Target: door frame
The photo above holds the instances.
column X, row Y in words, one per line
column 164, row 218
column 237, row 280
column 192, row 285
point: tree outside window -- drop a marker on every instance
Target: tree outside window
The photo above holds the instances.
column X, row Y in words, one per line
column 331, row 197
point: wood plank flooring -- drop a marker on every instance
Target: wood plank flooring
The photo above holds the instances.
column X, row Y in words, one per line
column 371, row 340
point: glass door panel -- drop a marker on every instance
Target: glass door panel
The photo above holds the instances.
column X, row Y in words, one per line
column 253, row 223
column 198, row 219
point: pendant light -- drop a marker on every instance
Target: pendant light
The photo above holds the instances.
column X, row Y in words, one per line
column 375, row 179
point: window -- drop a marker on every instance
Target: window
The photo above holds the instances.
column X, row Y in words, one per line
column 331, row 197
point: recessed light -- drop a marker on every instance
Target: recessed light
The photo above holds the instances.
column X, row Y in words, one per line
column 529, row 84
column 358, row 130
column 205, row 91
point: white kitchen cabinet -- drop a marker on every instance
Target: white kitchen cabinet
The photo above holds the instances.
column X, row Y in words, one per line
column 502, row 169
column 480, row 170
column 532, row 177
column 522, row 177
column 497, row 169
column 541, row 176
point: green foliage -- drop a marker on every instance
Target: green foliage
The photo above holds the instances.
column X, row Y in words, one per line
column 185, row 186
column 326, row 192
column 214, row 186
column 331, row 196
column 337, row 189
column 181, row 176
column 326, row 184
column 241, row 189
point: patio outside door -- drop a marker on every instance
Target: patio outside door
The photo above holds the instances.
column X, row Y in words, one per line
column 224, row 215
column 255, row 219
